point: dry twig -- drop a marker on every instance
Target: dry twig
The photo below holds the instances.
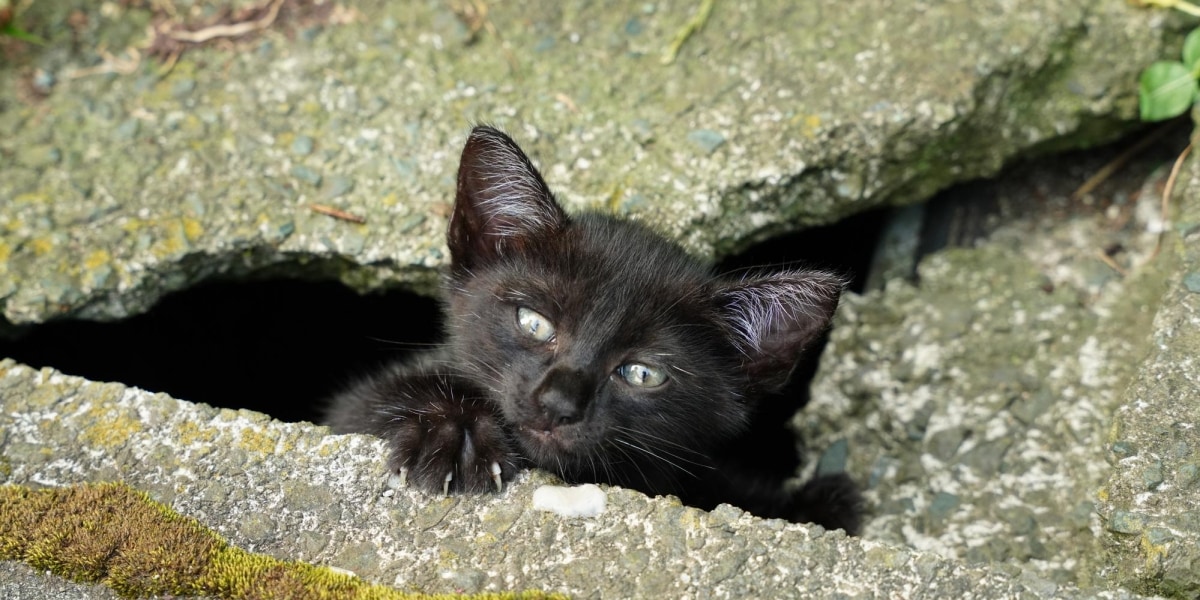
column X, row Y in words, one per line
column 1117, row 163
column 337, row 213
column 125, row 65
column 1166, row 198
column 1112, row 264
column 696, row 23
column 1180, row 5
column 231, row 30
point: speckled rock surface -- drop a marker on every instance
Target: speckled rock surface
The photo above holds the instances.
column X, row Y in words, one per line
column 1150, row 502
column 978, row 405
column 126, row 180
column 19, row 582
column 292, row 491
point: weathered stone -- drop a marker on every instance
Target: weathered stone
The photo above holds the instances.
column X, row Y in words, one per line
column 975, row 405
column 770, row 119
column 1011, row 379
column 640, row 547
column 1160, row 416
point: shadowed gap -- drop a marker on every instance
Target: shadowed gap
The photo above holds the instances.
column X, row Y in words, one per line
column 281, row 346
column 277, row 347
column 846, row 247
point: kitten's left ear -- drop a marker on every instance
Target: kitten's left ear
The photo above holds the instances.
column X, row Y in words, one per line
column 773, row 318
column 502, row 201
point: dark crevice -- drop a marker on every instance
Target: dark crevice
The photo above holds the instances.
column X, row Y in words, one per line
column 276, row 347
column 282, row 346
column 848, row 248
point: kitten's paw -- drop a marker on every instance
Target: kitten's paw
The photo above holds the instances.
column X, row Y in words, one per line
column 448, row 441
column 831, row 501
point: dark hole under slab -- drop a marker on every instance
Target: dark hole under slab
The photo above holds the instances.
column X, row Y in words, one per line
column 282, row 346
column 275, row 346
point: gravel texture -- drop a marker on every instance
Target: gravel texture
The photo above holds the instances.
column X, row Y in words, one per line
column 293, row 491
column 978, row 406
column 1149, row 500
column 126, row 180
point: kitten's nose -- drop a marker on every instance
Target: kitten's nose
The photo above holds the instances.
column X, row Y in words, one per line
column 563, row 396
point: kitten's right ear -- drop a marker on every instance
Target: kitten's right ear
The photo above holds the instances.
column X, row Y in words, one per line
column 772, row 319
column 502, row 203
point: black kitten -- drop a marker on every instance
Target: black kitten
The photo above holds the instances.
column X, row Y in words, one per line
column 595, row 349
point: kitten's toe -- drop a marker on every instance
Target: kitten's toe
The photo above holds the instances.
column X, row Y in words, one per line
column 398, row 479
column 832, row 501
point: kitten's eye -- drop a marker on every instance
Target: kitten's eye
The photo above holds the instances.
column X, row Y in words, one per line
column 640, row 375
column 534, row 325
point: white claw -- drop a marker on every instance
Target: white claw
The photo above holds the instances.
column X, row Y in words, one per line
column 496, row 477
column 398, row 480
column 446, row 485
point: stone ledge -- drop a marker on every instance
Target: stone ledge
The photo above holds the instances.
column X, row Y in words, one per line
column 292, row 491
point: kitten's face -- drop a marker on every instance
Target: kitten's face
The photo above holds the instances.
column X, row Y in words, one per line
column 602, row 347
column 603, row 343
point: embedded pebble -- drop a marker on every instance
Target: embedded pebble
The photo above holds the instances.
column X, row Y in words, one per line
column 339, row 185
column 302, row 145
column 1191, row 281
column 585, row 500
column 306, row 174
column 706, row 139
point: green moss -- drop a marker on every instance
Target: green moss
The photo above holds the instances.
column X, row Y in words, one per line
column 112, row 534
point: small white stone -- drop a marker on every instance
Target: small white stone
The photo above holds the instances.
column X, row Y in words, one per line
column 585, row 500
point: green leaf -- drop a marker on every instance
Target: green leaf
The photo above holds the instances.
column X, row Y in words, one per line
column 1191, row 50
column 1167, row 90
column 15, row 32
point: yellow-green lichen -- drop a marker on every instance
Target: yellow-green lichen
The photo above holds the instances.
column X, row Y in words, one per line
column 41, row 246
column 112, row 534
column 188, row 433
column 254, row 440
column 96, row 259
column 1153, row 553
column 331, row 447
column 110, row 428
column 192, row 229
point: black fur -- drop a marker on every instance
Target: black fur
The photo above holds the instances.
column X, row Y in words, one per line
column 624, row 307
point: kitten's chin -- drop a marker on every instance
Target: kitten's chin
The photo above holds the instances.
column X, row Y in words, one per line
column 549, row 439
column 545, row 446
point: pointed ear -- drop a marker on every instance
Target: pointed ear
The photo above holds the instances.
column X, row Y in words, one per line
column 772, row 319
column 502, row 201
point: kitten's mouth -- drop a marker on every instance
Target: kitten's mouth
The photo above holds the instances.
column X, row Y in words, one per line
column 545, row 438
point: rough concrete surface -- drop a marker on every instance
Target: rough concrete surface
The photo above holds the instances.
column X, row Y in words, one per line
column 1150, row 502
column 125, row 179
column 291, row 490
column 977, row 406
column 19, row 582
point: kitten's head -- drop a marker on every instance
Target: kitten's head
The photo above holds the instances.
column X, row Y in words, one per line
column 603, row 343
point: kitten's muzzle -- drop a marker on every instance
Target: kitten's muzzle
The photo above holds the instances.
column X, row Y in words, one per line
column 563, row 397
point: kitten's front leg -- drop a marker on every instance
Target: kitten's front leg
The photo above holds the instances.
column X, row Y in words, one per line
column 443, row 433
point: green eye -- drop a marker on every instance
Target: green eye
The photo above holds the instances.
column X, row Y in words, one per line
column 640, row 375
column 534, row 325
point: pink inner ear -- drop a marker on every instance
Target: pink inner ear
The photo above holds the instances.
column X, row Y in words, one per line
column 502, row 200
column 508, row 192
column 773, row 318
